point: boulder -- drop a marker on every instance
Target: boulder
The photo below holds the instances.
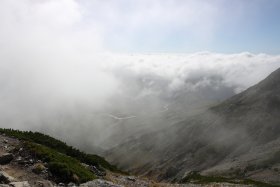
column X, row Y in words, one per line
column 97, row 171
column 6, row 158
column 45, row 183
column 5, row 178
column 71, row 184
column 20, row 184
column 99, row 182
column 131, row 178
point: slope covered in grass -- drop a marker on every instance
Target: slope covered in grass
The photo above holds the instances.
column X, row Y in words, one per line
column 195, row 177
column 61, row 147
column 63, row 167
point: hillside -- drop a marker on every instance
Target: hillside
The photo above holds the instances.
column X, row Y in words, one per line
column 238, row 138
column 34, row 159
column 48, row 155
column 235, row 143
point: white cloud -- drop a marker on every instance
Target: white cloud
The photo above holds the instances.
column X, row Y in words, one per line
column 238, row 71
column 55, row 71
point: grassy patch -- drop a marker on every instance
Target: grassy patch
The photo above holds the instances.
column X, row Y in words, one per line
column 61, row 147
column 195, row 177
column 63, row 167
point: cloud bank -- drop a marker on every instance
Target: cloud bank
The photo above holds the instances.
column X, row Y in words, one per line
column 57, row 76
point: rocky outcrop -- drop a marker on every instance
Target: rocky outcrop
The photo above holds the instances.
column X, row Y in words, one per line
column 20, row 184
column 6, row 158
column 42, row 184
column 5, row 178
column 99, row 182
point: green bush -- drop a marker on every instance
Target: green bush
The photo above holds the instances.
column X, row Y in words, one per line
column 61, row 147
column 38, row 168
column 63, row 167
column 196, row 177
column 60, row 170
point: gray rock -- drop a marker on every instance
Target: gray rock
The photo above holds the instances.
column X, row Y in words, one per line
column 5, row 178
column 97, row 171
column 20, row 184
column 42, row 184
column 131, row 178
column 6, row 158
column 99, row 183
column 71, row 184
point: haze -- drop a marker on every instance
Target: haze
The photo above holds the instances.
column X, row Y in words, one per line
column 83, row 70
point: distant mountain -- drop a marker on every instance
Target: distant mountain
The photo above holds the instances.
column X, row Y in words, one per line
column 237, row 138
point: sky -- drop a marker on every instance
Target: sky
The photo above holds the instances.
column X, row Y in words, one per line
column 188, row 26
column 155, row 26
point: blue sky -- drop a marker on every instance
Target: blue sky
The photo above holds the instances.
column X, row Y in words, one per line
column 169, row 26
column 188, row 26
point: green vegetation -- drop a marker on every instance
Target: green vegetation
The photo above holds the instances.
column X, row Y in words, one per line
column 195, row 177
column 63, row 167
column 38, row 168
column 63, row 161
column 61, row 147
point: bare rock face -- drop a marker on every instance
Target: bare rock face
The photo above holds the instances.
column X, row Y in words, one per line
column 20, row 184
column 99, row 182
column 6, row 158
column 5, row 178
column 42, row 184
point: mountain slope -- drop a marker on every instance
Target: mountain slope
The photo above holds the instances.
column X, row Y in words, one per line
column 53, row 158
column 34, row 159
column 237, row 138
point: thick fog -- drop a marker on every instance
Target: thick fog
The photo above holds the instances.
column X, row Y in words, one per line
column 56, row 76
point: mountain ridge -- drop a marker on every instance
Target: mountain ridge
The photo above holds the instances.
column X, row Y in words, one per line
column 220, row 136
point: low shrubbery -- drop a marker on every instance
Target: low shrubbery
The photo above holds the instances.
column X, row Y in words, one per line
column 61, row 147
column 63, row 161
column 63, row 167
column 196, row 177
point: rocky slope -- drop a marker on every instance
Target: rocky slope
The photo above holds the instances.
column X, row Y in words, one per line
column 237, row 138
column 24, row 166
